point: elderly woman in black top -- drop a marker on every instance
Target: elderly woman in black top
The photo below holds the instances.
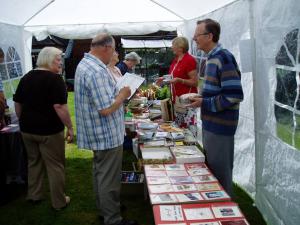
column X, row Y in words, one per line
column 41, row 106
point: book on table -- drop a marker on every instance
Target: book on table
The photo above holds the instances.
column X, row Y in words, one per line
column 187, row 154
column 225, row 213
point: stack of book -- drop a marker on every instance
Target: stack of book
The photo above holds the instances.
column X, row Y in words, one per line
column 225, row 213
column 187, row 154
column 152, row 155
column 178, row 183
column 132, row 177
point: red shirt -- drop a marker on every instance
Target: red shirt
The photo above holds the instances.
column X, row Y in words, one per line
column 183, row 67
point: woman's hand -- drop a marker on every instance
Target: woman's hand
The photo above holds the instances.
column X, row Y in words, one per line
column 177, row 80
column 69, row 135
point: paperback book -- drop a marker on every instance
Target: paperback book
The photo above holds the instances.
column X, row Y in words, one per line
column 171, row 213
column 215, row 195
column 213, row 186
column 189, row 197
column 184, row 187
column 181, row 180
column 158, row 180
column 177, row 173
column 204, row 178
column 162, row 198
column 174, row 167
column 160, row 188
column 187, row 154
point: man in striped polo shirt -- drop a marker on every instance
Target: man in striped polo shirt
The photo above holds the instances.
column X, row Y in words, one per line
column 221, row 94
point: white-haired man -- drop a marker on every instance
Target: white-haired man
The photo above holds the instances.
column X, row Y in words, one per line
column 100, row 125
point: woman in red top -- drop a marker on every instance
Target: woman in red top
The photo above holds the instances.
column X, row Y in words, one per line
column 184, row 78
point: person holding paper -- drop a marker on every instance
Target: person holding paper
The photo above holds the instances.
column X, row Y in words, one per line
column 112, row 69
column 221, row 96
column 131, row 60
column 100, row 125
column 184, row 80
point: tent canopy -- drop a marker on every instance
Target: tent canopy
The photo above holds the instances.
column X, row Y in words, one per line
column 64, row 17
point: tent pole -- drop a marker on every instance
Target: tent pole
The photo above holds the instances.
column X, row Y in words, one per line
column 38, row 12
column 255, row 95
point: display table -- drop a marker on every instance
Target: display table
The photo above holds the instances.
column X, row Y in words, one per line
column 13, row 163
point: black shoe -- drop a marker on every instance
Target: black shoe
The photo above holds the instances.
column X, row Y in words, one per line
column 100, row 217
column 128, row 222
column 123, row 208
column 34, row 202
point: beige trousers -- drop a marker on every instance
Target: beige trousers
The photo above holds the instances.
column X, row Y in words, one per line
column 46, row 152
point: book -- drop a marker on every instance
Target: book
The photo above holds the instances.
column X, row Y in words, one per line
column 171, row 213
column 198, row 171
column 162, row 198
column 184, row 187
column 177, row 173
column 158, row 180
column 190, row 166
column 189, row 197
column 181, row 180
column 172, row 224
column 212, row 186
column 223, row 213
column 154, row 143
column 155, row 173
column 161, row 134
column 215, row 195
column 160, row 188
column 187, row 154
column 174, row 167
column 147, row 125
column 206, row 223
column 203, row 213
column 234, row 222
column 154, row 167
column 156, row 153
column 226, row 211
column 131, row 80
column 203, row 178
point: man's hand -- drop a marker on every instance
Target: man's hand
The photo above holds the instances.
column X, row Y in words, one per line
column 125, row 92
column 196, row 102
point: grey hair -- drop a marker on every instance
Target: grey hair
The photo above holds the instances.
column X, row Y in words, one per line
column 133, row 56
column 47, row 56
column 102, row 40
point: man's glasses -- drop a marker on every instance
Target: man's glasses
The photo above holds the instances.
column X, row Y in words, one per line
column 197, row 35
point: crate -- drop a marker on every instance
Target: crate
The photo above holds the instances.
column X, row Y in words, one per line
column 133, row 183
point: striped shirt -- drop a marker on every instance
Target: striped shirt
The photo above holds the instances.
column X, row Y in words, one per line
column 94, row 91
column 222, row 92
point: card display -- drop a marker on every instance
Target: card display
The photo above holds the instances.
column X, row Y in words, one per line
column 171, row 213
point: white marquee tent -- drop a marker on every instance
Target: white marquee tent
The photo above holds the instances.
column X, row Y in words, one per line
column 264, row 35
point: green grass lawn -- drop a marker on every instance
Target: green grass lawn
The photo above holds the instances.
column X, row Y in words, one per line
column 82, row 210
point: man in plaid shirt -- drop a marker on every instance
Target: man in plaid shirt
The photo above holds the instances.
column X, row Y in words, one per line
column 100, row 125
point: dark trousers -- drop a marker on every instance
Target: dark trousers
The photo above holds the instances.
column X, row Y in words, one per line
column 219, row 151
